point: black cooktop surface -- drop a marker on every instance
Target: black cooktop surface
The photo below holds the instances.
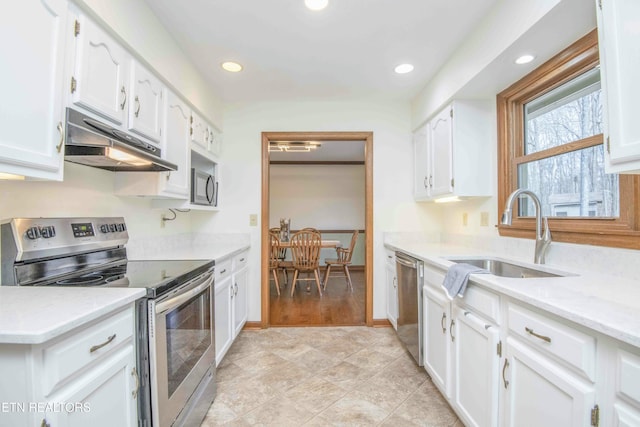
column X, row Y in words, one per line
column 157, row 277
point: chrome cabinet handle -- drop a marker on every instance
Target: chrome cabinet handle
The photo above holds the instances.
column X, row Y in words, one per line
column 395, row 282
column 453, row 323
column 61, row 143
column 542, row 337
column 504, row 368
column 430, row 180
column 443, row 323
column 134, row 374
column 123, row 91
column 99, row 346
column 241, row 259
column 424, row 182
column 137, row 106
column 223, row 271
column 236, row 290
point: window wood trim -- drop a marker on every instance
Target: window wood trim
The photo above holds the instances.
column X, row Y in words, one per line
column 621, row 232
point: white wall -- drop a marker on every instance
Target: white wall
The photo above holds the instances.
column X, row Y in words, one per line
column 329, row 197
column 394, row 208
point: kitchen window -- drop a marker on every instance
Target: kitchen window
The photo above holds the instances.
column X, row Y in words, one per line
column 550, row 141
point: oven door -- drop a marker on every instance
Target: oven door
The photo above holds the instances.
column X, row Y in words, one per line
column 181, row 346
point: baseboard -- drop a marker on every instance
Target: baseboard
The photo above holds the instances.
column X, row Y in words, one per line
column 381, row 323
column 252, row 326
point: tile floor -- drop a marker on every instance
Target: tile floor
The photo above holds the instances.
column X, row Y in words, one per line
column 342, row 376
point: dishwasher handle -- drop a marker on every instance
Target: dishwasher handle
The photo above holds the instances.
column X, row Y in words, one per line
column 402, row 259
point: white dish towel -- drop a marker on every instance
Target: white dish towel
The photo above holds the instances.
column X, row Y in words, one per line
column 455, row 281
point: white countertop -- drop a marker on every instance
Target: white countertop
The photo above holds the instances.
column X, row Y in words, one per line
column 609, row 305
column 33, row 315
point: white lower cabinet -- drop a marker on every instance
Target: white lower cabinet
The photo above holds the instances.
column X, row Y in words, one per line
column 476, row 354
column 437, row 355
column 86, row 377
column 231, row 301
column 391, row 281
column 541, row 391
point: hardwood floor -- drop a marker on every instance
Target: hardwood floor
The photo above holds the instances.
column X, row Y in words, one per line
column 338, row 306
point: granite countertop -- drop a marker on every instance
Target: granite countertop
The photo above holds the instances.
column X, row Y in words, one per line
column 33, row 315
column 609, row 305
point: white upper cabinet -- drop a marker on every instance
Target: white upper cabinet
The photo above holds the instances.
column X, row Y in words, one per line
column 619, row 41
column 101, row 75
column 176, row 145
column 145, row 108
column 453, row 152
column 32, row 35
column 441, row 138
column 206, row 140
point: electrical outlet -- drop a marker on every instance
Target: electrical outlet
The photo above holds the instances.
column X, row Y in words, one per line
column 484, row 219
column 253, row 220
column 465, row 219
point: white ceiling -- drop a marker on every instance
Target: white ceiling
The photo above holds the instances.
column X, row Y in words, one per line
column 291, row 53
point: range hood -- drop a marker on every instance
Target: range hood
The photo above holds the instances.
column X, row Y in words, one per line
column 93, row 143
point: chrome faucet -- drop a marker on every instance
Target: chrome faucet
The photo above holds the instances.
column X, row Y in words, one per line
column 543, row 237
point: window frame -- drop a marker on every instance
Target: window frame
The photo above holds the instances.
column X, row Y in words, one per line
column 623, row 232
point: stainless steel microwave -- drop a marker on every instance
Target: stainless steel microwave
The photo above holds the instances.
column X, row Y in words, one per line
column 204, row 188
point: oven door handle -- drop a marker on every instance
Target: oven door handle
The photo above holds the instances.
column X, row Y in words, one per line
column 200, row 285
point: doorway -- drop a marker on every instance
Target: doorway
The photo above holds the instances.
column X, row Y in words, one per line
column 366, row 276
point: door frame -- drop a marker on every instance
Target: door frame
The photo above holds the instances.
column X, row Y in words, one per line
column 367, row 137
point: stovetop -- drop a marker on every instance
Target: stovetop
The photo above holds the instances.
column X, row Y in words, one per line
column 156, row 276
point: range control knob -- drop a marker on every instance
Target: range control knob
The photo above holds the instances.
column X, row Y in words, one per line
column 33, row 233
column 104, row 228
column 112, row 227
column 120, row 227
column 48, row 231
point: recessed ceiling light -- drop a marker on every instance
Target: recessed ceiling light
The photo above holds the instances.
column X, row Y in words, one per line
column 524, row 59
column 316, row 4
column 231, row 66
column 403, row 68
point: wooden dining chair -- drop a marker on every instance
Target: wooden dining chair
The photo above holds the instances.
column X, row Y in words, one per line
column 283, row 264
column 274, row 260
column 343, row 260
column 305, row 249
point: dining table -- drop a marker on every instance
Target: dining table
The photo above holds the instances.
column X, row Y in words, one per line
column 324, row 244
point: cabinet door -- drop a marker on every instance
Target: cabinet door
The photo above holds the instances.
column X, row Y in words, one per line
column 240, row 301
column 145, row 108
column 619, row 43
column 215, row 142
column 437, row 319
column 441, row 140
column 105, row 396
column 476, row 371
column 223, row 316
column 32, row 40
column 421, row 167
column 199, row 132
column 101, row 73
column 392, row 295
column 541, row 392
column 176, row 146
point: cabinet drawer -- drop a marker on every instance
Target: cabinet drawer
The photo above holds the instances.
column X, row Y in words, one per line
column 63, row 358
column 223, row 269
column 483, row 302
column 628, row 376
column 240, row 261
column 433, row 278
column 575, row 348
column 390, row 257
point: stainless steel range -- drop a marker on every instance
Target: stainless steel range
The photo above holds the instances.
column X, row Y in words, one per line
column 175, row 322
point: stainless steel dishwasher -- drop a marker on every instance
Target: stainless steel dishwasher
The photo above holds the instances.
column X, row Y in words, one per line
column 409, row 273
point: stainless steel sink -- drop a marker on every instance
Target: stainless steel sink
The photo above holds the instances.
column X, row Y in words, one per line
column 503, row 268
